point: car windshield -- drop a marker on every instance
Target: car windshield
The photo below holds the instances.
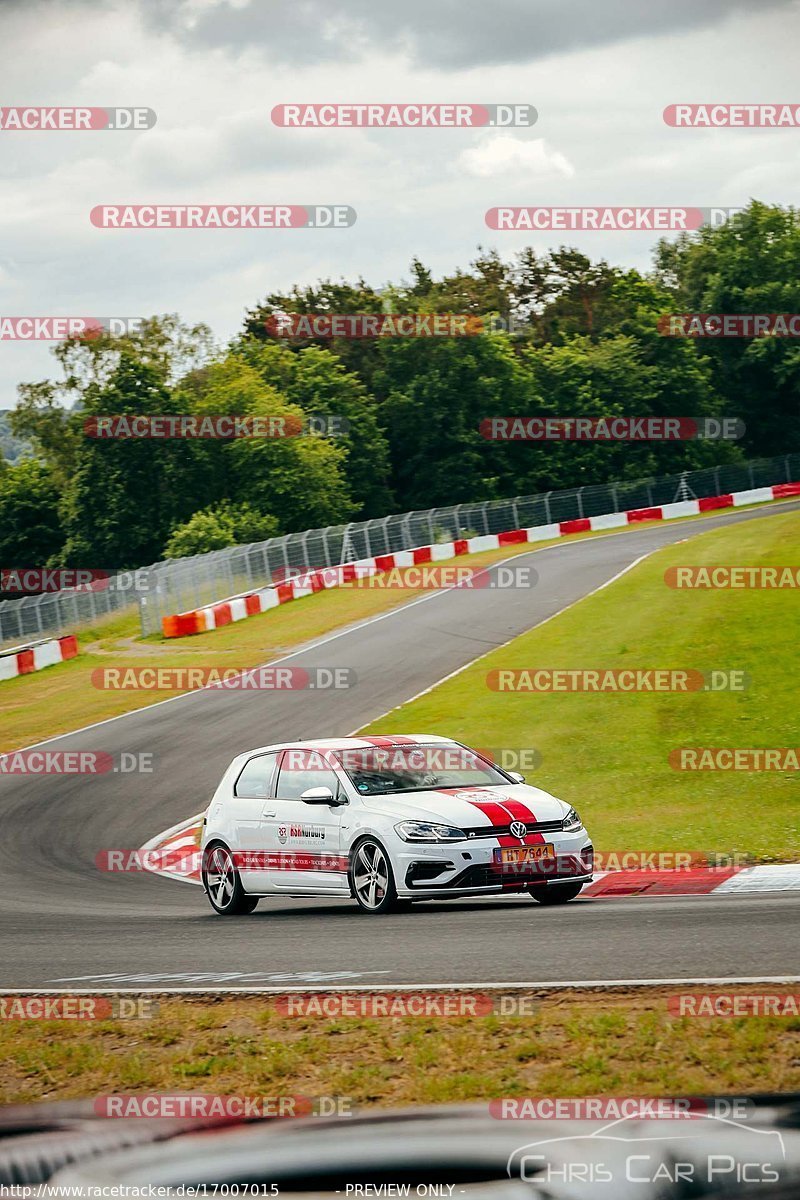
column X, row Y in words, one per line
column 384, row 770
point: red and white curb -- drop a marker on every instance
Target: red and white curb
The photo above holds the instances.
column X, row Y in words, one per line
column 35, row 656
column 236, row 608
column 175, row 853
column 697, row 881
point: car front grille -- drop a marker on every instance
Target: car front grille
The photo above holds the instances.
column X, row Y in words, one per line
column 494, row 831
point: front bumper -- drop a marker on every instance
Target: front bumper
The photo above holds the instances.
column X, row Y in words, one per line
column 470, row 867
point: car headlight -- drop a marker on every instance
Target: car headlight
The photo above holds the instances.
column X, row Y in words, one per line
column 571, row 822
column 424, row 831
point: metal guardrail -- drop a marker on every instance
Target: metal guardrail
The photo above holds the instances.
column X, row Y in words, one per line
column 186, row 583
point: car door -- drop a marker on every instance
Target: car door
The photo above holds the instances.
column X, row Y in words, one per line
column 307, row 836
column 252, row 807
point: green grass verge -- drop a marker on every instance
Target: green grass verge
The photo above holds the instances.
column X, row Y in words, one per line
column 608, row 753
column 575, row 1044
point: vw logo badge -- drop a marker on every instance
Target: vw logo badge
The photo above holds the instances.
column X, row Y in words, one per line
column 518, row 829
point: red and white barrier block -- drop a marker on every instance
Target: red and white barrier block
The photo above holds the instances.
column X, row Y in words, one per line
column 238, row 607
column 35, row 656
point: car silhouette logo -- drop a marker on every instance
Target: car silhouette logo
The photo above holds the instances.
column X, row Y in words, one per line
column 518, row 829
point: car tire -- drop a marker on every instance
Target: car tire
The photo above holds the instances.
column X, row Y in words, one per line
column 222, row 883
column 371, row 878
column 554, row 893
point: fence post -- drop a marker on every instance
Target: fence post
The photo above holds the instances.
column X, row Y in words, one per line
column 304, row 544
column 431, row 533
column 325, row 547
column 196, row 585
column 716, row 480
column 515, row 513
column 579, row 498
column 548, row 520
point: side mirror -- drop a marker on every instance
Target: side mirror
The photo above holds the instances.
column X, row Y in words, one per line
column 515, row 775
column 318, row 795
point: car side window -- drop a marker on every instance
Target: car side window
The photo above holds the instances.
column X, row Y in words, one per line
column 256, row 777
column 292, row 783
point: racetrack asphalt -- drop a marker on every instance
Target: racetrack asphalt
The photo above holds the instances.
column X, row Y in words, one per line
column 64, row 920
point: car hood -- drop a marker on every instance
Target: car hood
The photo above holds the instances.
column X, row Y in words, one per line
column 471, row 807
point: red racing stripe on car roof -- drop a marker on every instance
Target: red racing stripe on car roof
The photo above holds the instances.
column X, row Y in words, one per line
column 385, row 742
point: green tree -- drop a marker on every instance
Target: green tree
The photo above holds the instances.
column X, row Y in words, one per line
column 125, row 495
column 316, row 381
column 435, row 393
column 30, row 530
column 751, row 264
column 217, row 527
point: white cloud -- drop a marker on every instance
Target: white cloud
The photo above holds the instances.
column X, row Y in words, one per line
column 502, row 154
column 600, row 139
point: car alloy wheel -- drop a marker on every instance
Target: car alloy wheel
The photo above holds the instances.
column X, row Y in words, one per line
column 222, row 883
column 371, row 878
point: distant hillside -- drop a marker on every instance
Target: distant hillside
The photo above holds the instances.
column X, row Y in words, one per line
column 11, row 448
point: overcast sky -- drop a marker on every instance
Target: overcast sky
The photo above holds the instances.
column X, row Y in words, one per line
column 599, row 72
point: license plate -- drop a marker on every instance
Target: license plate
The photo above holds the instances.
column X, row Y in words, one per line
column 518, row 856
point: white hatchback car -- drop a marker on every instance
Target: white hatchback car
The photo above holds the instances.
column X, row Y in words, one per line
column 385, row 820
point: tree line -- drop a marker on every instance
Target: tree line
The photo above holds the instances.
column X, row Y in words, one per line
column 564, row 336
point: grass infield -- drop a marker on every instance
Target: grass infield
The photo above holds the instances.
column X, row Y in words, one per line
column 618, row 1043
